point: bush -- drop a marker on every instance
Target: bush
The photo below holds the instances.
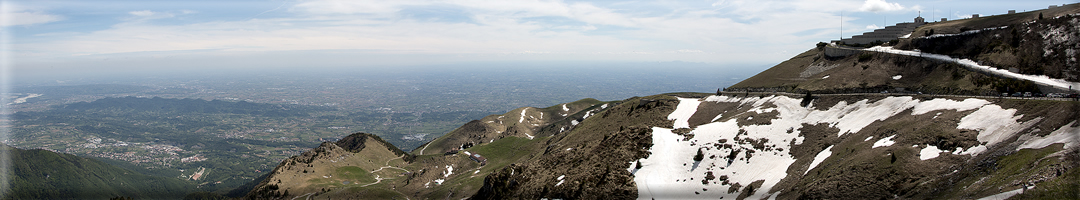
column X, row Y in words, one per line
column 864, row 57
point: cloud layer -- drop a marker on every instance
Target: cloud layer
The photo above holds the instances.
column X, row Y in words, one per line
column 761, row 31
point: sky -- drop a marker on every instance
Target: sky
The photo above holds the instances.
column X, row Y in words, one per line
column 48, row 36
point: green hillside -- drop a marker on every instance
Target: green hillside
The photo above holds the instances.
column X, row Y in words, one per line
column 42, row 174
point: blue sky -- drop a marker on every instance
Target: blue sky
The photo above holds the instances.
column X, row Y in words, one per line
column 52, row 36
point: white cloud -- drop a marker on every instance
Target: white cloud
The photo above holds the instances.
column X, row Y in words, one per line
column 879, row 5
column 142, row 13
column 16, row 18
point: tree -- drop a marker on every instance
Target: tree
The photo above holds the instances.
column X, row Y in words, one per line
column 807, row 99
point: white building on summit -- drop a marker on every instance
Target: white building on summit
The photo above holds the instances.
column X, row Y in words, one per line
column 885, row 34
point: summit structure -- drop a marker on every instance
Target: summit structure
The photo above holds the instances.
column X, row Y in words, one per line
column 885, row 34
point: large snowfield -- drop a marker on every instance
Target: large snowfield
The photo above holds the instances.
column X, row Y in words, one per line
column 671, row 172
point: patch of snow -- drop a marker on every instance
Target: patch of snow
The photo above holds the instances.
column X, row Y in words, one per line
column 449, row 171
column 1066, row 134
column 564, row 108
column 906, row 36
column 468, row 153
column 682, row 113
column 439, row 181
column 820, row 157
column 994, row 125
column 603, row 106
column 588, row 114
column 527, row 135
column 1039, row 79
column 971, row 151
column 826, row 76
column 522, row 115
column 897, row 77
column 569, row 149
column 750, row 118
column 884, row 142
column 852, row 118
column 574, row 122
column 868, row 138
column 477, row 171
column 560, row 180
column 946, row 104
column 1005, row 195
column 929, row 152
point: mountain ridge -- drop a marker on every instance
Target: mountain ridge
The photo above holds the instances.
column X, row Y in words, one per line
column 888, row 126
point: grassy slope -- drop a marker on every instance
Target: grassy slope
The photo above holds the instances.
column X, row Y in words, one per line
column 481, row 131
column 41, row 174
column 869, row 72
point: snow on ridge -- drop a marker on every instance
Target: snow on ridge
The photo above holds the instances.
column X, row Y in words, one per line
column 820, row 157
column 884, row 142
column 1040, row 79
column 1066, row 134
column 897, row 77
